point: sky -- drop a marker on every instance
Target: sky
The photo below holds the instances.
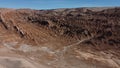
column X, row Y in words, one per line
column 53, row 4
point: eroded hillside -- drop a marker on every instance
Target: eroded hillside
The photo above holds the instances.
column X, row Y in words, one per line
column 63, row 38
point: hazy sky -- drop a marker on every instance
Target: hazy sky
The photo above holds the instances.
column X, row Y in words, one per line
column 51, row 4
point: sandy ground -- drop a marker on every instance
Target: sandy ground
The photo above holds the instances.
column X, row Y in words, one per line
column 8, row 59
column 14, row 62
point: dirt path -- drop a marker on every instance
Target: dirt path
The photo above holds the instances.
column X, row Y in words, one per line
column 74, row 44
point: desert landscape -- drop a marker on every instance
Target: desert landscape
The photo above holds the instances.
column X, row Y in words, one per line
column 60, row 38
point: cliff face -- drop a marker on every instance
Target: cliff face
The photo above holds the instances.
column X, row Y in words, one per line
column 71, row 38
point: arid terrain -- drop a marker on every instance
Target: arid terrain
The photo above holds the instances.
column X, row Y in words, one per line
column 60, row 38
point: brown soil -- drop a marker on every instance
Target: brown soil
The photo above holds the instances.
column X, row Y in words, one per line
column 64, row 38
